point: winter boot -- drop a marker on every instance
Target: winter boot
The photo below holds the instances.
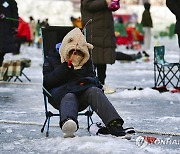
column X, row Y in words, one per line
column 116, row 129
column 69, row 127
column 145, row 54
column 108, row 90
column 136, row 56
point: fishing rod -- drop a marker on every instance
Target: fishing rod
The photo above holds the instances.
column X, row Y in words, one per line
column 3, row 17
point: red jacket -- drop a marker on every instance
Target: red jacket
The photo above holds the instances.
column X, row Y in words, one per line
column 23, row 30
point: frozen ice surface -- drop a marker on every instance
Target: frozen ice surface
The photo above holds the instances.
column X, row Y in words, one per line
column 145, row 109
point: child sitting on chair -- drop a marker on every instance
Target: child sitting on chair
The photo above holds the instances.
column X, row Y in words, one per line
column 71, row 80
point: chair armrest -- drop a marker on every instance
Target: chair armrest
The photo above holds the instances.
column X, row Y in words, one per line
column 46, row 92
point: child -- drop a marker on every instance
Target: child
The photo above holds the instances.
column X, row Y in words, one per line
column 71, row 80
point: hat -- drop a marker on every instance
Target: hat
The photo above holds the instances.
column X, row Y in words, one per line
column 75, row 41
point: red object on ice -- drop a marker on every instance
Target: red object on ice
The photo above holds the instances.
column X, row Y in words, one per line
column 176, row 90
column 150, row 139
column 161, row 89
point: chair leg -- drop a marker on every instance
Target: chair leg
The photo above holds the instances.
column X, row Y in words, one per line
column 160, row 77
column 155, row 83
column 18, row 79
column 89, row 120
column 173, row 75
column 26, row 77
column 42, row 129
column 47, row 131
column 9, row 79
column 178, row 82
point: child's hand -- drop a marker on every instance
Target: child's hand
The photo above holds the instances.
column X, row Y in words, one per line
column 68, row 68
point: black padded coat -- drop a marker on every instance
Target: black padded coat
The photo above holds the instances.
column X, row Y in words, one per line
column 174, row 6
column 59, row 79
column 101, row 29
column 7, row 27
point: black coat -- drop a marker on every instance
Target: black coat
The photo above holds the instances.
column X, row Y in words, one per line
column 146, row 19
column 7, row 27
column 101, row 29
column 59, row 79
column 174, row 6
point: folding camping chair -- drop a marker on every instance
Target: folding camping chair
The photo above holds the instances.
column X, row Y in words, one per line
column 50, row 37
column 164, row 72
column 14, row 69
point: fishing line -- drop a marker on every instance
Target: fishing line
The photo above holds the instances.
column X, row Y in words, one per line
column 40, row 124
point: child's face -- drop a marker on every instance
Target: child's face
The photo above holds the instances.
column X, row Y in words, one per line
column 77, row 56
column 77, row 53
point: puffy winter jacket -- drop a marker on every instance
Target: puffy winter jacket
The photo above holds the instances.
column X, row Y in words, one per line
column 146, row 19
column 23, row 30
column 59, row 75
column 174, row 6
column 7, row 26
column 101, row 29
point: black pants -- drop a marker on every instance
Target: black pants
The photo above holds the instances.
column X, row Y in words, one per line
column 18, row 42
column 1, row 58
column 123, row 56
column 101, row 72
column 70, row 104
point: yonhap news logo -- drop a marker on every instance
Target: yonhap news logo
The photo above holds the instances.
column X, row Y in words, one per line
column 143, row 141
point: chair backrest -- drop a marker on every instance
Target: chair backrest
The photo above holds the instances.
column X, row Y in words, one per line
column 53, row 35
column 159, row 52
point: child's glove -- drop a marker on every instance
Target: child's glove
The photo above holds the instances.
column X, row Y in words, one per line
column 113, row 5
column 58, row 46
column 68, row 67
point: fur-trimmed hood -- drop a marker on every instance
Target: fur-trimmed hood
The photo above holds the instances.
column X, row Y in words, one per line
column 75, row 40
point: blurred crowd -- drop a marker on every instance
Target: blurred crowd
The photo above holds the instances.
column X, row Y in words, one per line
column 128, row 31
column 14, row 30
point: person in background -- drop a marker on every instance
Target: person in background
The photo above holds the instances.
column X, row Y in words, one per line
column 32, row 26
column 23, row 34
column 147, row 25
column 174, row 6
column 102, row 33
column 38, row 34
column 76, row 22
column 8, row 26
column 45, row 23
